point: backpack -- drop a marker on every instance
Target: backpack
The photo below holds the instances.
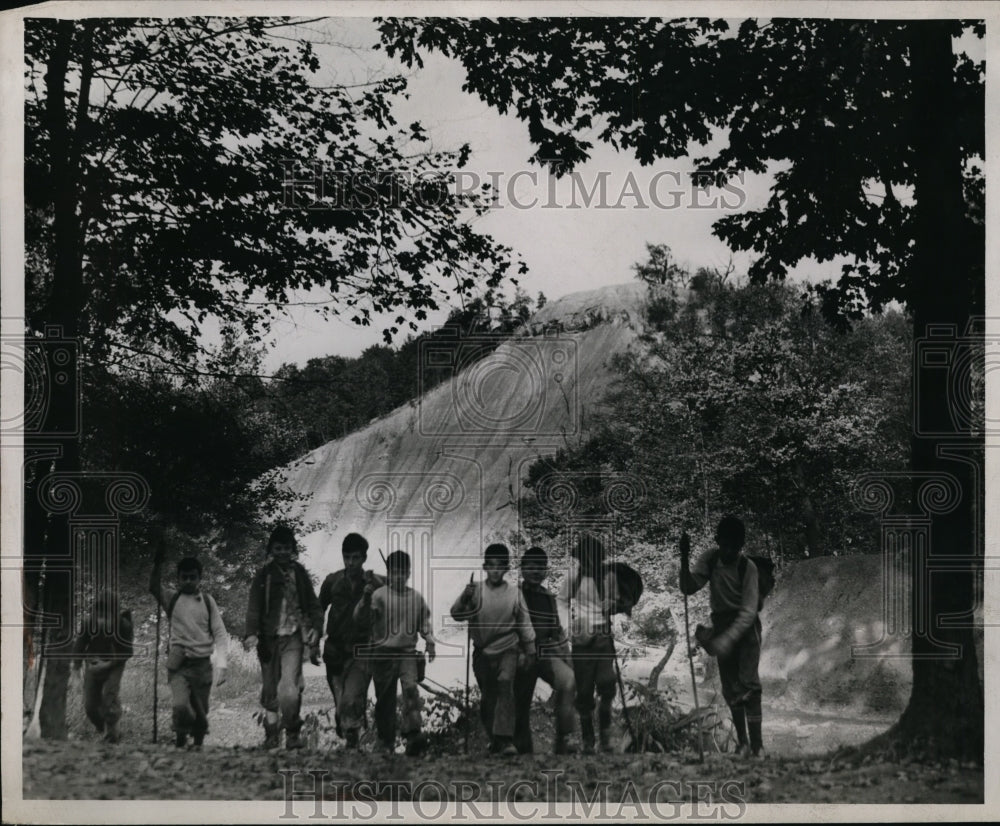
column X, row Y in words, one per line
column 765, row 575
column 629, row 582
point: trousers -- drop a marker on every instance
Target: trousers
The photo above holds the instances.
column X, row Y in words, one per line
column 101, row 686
column 281, row 680
column 557, row 673
column 738, row 670
column 389, row 668
column 495, row 676
column 190, row 686
column 349, row 680
column 594, row 667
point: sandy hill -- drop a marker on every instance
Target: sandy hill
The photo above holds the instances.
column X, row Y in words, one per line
column 439, row 477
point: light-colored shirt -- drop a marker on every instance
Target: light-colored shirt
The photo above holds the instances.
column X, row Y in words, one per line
column 497, row 617
column 397, row 618
column 728, row 591
column 289, row 616
column 581, row 608
column 194, row 628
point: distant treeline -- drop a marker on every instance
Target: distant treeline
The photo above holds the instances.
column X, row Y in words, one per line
column 333, row 396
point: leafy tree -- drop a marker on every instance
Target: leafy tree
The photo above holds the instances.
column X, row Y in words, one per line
column 164, row 188
column 743, row 402
column 851, row 117
column 661, row 268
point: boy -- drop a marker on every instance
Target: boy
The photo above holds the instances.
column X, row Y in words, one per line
column 735, row 635
column 552, row 658
column 347, row 674
column 396, row 613
column 498, row 620
column 585, row 601
column 106, row 643
column 283, row 620
column 195, row 628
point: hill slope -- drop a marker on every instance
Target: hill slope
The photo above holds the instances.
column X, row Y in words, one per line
column 440, row 477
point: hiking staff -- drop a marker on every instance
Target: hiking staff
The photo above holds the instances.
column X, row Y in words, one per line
column 157, row 561
column 685, row 554
column 621, row 685
column 468, row 660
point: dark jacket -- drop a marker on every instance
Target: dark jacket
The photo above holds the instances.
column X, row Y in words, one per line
column 264, row 603
column 103, row 643
column 341, row 594
column 541, row 604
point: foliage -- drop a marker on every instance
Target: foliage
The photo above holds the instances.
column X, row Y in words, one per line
column 164, row 161
column 445, row 721
column 661, row 724
column 830, row 107
column 746, row 400
column 181, row 157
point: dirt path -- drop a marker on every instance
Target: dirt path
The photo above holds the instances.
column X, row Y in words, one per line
column 90, row 770
column 231, row 767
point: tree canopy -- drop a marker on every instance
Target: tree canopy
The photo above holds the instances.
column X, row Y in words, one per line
column 213, row 174
column 827, row 106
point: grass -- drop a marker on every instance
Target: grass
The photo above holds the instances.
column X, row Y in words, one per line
column 136, row 696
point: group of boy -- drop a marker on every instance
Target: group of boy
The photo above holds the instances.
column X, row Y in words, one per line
column 519, row 635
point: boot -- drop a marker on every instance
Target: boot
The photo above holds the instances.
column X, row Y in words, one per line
column 293, row 739
column 272, row 735
column 197, row 740
column 740, row 723
column 113, row 732
column 351, row 736
column 416, row 742
column 565, row 744
column 754, row 720
column 587, row 733
column 606, row 731
column 756, row 738
column 180, row 740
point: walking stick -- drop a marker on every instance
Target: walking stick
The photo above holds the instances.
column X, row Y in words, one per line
column 685, row 550
column 621, row 688
column 468, row 659
column 157, row 561
column 156, row 673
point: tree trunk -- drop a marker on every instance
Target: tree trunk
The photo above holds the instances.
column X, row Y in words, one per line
column 52, row 710
column 63, row 310
column 814, row 534
column 945, row 712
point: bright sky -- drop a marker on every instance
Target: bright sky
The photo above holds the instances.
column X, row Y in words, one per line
column 567, row 249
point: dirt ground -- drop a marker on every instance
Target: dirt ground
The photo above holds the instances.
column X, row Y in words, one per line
column 92, row 770
column 231, row 767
